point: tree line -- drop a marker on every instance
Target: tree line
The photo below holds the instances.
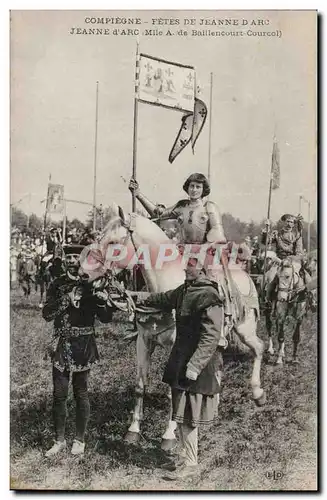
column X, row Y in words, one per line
column 235, row 229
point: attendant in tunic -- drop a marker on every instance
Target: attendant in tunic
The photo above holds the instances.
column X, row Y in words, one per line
column 195, row 364
column 73, row 306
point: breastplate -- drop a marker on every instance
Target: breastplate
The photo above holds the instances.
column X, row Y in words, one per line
column 194, row 223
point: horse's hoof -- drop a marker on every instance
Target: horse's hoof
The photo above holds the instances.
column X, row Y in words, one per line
column 168, row 444
column 132, row 437
column 262, row 400
column 279, row 362
column 271, row 352
column 295, row 361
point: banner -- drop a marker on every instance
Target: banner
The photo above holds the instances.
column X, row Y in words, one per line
column 55, row 200
column 165, row 83
column 275, row 166
column 192, row 124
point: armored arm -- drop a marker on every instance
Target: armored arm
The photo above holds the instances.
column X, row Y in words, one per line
column 216, row 232
column 147, row 204
column 166, row 213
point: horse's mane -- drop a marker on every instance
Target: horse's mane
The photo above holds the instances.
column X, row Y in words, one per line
column 149, row 230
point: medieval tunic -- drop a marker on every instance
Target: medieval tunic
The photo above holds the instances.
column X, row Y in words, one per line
column 74, row 326
column 199, row 322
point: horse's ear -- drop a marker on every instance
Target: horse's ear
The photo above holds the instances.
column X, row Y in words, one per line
column 121, row 213
column 114, row 208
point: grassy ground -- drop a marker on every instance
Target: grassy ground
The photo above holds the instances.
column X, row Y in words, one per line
column 240, row 452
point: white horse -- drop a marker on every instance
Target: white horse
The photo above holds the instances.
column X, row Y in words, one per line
column 135, row 233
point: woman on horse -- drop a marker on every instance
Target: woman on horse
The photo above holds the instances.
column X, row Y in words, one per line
column 200, row 220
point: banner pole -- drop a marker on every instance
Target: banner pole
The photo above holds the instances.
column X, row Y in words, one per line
column 210, row 128
column 64, row 224
column 137, row 72
column 95, row 157
column 45, row 213
column 267, row 234
column 309, row 228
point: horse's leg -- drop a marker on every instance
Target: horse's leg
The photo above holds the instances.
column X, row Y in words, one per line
column 169, row 437
column 144, row 349
column 41, row 293
column 300, row 313
column 247, row 333
column 296, row 339
column 281, row 340
column 268, row 313
column 281, row 314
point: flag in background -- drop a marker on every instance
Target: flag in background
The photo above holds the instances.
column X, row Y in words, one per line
column 55, row 200
column 165, row 83
column 275, row 166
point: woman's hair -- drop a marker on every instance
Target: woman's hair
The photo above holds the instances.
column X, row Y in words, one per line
column 198, row 178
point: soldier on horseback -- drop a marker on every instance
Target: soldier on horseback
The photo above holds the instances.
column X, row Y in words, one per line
column 288, row 243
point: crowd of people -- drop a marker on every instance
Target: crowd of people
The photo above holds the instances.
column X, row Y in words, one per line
column 32, row 247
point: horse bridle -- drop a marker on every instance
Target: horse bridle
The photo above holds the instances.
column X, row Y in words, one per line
column 291, row 294
column 287, row 289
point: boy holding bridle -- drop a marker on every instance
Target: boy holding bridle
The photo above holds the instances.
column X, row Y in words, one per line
column 194, row 366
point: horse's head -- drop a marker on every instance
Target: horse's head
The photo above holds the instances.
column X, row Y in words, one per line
column 116, row 229
column 312, row 266
column 97, row 258
column 126, row 242
column 288, row 278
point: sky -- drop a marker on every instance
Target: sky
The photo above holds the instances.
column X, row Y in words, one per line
column 261, row 86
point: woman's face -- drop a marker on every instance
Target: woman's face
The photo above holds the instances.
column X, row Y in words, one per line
column 195, row 190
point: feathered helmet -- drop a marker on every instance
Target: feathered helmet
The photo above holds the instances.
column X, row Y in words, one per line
column 286, row 217
column 298, row 220
column 198, row 178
